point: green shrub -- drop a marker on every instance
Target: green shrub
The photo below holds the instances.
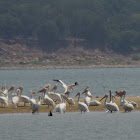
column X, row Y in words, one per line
column 136, row 57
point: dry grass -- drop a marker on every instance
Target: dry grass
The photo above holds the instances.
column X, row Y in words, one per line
column 44, row 108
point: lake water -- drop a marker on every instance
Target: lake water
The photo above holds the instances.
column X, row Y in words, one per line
column 100, row 80
column 71, row 126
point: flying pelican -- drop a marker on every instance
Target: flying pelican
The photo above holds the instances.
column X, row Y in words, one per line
column 61, row 107
column 24, row 98
column 47, row 100
column 35, row 107
column 15, row 99
column 82, row 106
column 67, row 88
column 110, row 106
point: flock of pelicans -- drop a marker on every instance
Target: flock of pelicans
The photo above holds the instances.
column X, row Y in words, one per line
column 50, row 97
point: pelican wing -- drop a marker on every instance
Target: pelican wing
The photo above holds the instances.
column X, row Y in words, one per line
column 94, row 103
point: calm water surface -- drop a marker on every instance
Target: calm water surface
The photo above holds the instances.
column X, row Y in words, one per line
column 100, row 80
column 71, row 126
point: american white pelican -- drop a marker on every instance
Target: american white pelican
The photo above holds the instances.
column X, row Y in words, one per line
column 24, row 98
column 128, row 107
column 121, row 93
column 35, row 107
column 4, row 98
column 61, row 107
column 82, row 106
column 110, row 106
column 67, row 87
column 15, row 99
column 32, row 100
column 53, row 95
column 46, row 99
column 87, row 99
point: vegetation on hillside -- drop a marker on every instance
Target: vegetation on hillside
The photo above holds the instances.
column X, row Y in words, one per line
column 113, row 24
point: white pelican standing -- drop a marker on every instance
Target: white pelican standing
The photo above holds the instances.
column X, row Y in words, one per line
column 4, row 97
column 121, row 93
column 82, row 106
column 61, row 107
column 32, row 100
column 35, row 107
column 67, row 87
column 87, row 99
column 16, row 98
column 92, row 102
column 128, row 107
column 46, row 99
column 24, row 98
column 110, row 106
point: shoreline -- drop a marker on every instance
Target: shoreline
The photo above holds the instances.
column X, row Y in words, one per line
column 44, row 108
column 40, row 67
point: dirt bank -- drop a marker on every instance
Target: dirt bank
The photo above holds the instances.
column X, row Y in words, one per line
column 27, row 54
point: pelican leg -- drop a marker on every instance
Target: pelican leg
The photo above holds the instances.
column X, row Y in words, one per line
column 48, row 106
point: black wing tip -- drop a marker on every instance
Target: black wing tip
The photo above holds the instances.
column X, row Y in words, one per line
column 56, row 80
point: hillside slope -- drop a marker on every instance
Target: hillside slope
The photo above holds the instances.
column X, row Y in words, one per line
column 24, row 53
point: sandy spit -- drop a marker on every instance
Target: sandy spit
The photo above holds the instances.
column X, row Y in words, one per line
column 44, row 108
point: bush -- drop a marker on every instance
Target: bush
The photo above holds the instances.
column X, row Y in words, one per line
column 136, row 57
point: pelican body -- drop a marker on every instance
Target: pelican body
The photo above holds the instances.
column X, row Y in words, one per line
column 82, row 106
column 110, row 106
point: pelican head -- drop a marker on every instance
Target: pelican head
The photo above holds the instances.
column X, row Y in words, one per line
column 76, row 83
column 11, row 88
column 48, row 86
column 54, row 88
column 21, row 88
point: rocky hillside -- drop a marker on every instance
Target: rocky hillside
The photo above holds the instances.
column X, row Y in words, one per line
column 25, row 53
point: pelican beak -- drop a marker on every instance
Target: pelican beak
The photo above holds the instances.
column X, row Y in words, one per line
column 11, row 88
column 42, row 90
column 102, row 98
column 77, row 94
column 113, row 96
column 54, row 88
column 33, row 92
